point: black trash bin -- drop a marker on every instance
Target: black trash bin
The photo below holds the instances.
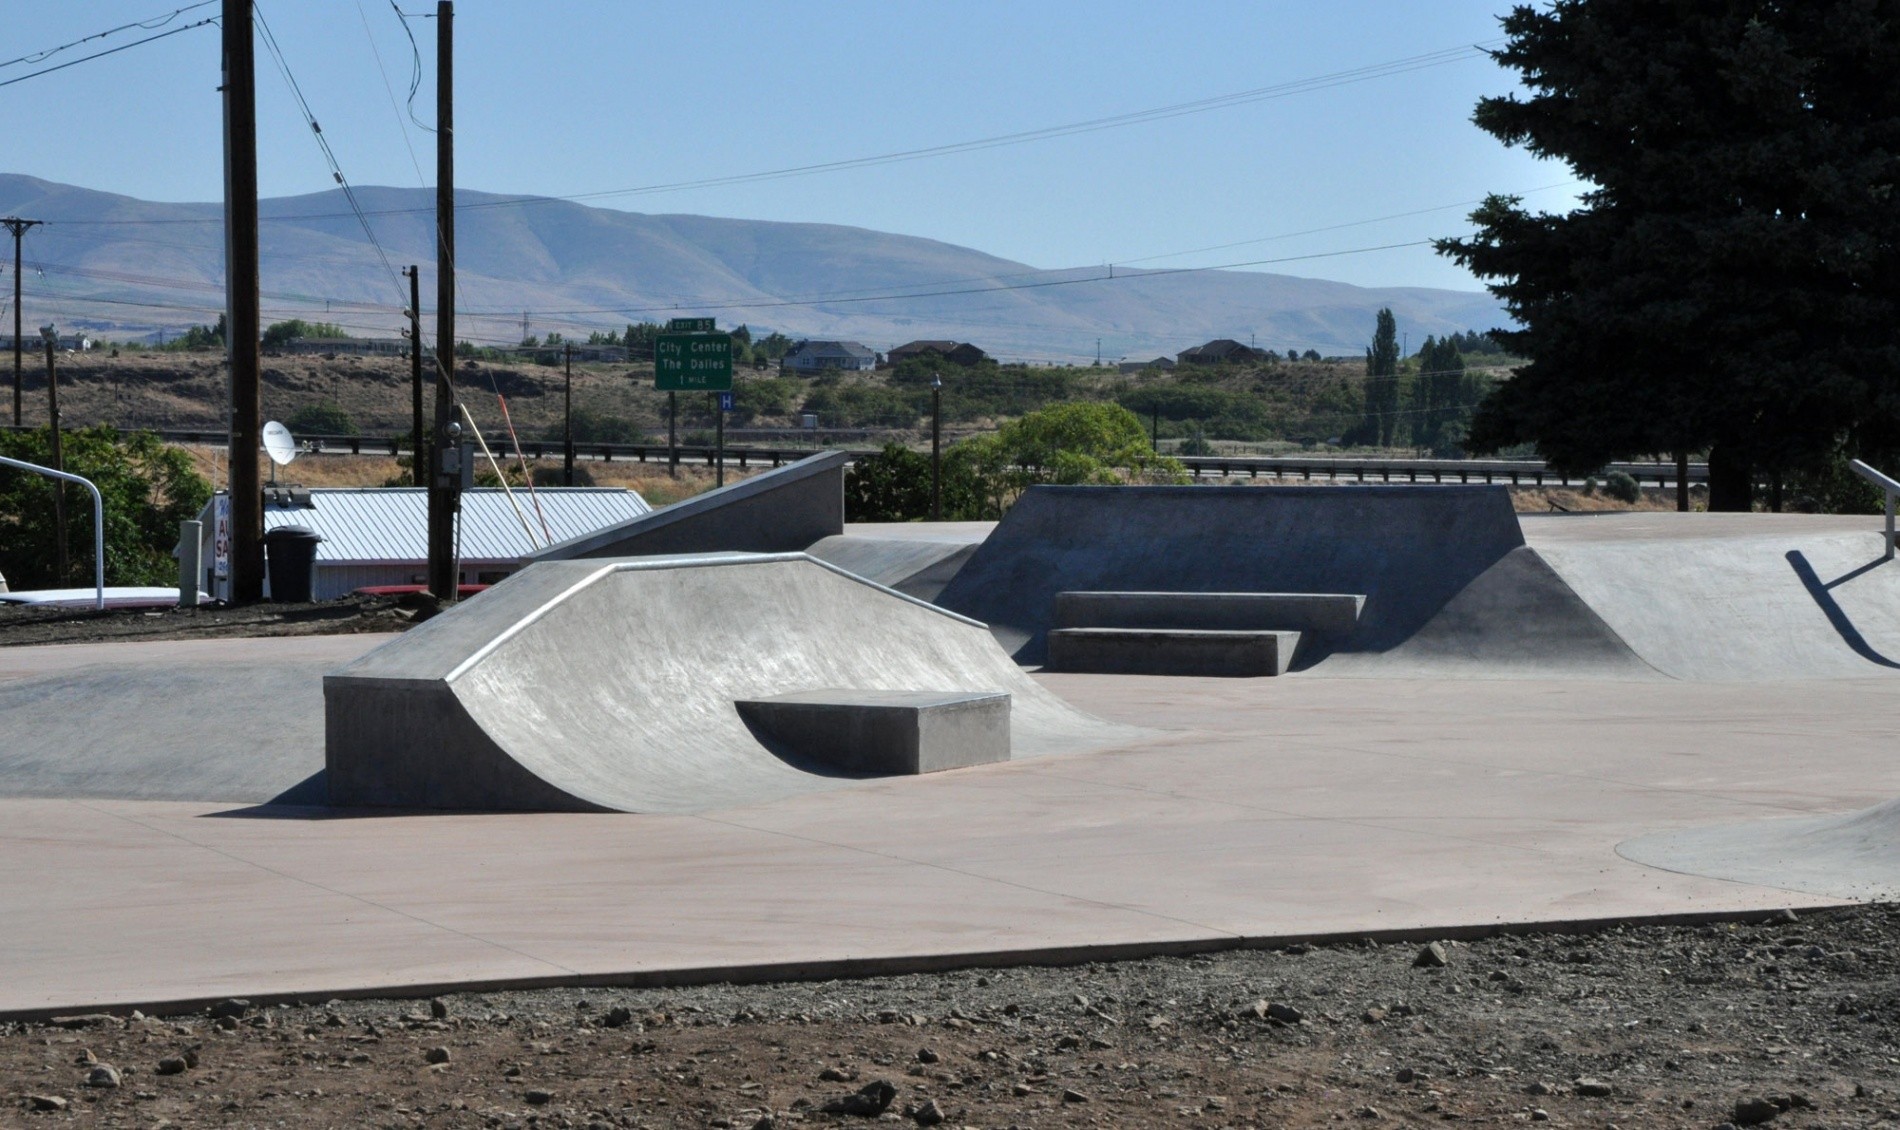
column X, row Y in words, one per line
column 292, row 554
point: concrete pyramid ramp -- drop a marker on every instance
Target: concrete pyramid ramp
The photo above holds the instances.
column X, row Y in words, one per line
column 1408, row 550
column 609, row 685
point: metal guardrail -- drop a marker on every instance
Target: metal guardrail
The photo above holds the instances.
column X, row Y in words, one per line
column 1517, row 472
column 1888, row 487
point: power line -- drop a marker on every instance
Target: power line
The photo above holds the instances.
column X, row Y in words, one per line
column 151, row 24
column 1136, row 117
column 108, row 51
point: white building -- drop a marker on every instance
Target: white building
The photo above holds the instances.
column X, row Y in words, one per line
column 380, row 535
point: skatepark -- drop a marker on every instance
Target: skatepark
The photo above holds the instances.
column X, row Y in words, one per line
column 739, row 740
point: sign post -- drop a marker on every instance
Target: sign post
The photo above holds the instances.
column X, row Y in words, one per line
column 691, row 357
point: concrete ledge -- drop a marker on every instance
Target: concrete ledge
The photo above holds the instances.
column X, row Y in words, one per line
column 1322, row 613
column 1170, row 651
column 886, row 732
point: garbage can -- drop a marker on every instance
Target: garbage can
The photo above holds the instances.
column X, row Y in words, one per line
column 292, row 555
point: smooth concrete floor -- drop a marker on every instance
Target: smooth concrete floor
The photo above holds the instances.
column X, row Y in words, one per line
column 1280, row 808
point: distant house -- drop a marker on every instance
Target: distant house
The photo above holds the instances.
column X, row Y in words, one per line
column 1222, row 351
column 349, row 346
column 380, row 535
column 955, row 352
column 1138, row 366
column 34, row 343
column 818, row 356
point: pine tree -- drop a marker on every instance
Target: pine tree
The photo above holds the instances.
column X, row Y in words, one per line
column 1731, row 280
column 1382, row 382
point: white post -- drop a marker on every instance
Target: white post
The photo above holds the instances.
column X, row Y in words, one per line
column 190, row 562
column 98, row 522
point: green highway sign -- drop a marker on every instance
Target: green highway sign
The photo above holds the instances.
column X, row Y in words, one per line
column 690, row 326
column 692, row 362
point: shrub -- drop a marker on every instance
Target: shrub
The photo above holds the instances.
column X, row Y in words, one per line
column 1620, row 486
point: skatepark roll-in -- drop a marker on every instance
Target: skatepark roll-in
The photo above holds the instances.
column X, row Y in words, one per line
column 614, row 686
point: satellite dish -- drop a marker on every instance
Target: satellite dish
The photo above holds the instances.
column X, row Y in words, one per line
column 279, row 444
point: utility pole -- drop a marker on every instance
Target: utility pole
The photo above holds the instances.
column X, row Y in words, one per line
column 567, row 419
column 444, row 498
column 59, row 459
column 673, row 434
column 241, row 302
column 18, row 227
column 418, row 458
column 936, row 447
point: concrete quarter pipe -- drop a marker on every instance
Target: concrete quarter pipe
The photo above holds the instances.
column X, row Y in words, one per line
column 610, row 685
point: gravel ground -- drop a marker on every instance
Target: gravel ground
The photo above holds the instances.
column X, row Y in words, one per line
column 24, row 625
column 1790, row 1021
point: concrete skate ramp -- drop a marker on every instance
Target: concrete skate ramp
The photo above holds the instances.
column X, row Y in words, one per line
column 916, row 567
column 1517, row 619
column 591, row 685
column 778, row 511
column 1856, row 856
column 1408, row 550
column 1746, row 596
column 237, row 720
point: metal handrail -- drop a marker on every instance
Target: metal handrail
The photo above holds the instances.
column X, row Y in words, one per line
column 1888, row 487
column 98, row 522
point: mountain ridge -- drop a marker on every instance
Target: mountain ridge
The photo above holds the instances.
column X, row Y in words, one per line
column 110, row 262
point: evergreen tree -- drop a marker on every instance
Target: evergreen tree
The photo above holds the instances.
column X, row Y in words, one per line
column 1382, row 382
column 1732, row 278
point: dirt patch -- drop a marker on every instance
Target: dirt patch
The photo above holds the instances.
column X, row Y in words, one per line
column 24, row 626
column 1792, row 1022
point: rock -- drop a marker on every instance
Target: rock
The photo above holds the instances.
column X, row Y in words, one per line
column 868, row 1101
column 765, row 1122
column 1022, row 1090
column 172, row 1065
column 1369, row 1112
column 46, row 1102
column 838, row 1075
column 929, row 1114
column 1373, row 1015
column 539, row 1098
column 1783, row 917
column 1540, row 1115
column 227, row 1023
column 1538, row 1088
column 619, row 1016
column 235, row 1008
column 925, row 1055
column 1285, row 1013
column 1406, row 1075
column 436, row 1055
column 1068, row 1042
column 1594, row 1089
column 1071, row 1095
column 86, row 1020
column 104, row 1075
column 1431, row 957
column 439, row 1008
column 1753, row 1111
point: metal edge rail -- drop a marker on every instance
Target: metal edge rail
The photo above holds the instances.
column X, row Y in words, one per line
column 1888, row 487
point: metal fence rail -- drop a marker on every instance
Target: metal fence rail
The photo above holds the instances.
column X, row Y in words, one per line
column 1306, row 468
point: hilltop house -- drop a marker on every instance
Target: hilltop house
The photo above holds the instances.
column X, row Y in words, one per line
column 1163, row 363
column 1222, row 351
column 817, row 356
column 955, row 352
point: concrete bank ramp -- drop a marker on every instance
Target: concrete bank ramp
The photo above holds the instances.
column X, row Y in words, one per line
column 914, row 564
column 1855, row 856
column 609, row 685
column 1408, row 550
column 1746, row 596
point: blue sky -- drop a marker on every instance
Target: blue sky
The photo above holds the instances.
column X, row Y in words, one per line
column 578, row 97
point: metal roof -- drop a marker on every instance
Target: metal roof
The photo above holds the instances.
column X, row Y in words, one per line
column 367, row 525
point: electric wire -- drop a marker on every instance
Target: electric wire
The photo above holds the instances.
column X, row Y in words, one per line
column 150, row 24
column 108, row 51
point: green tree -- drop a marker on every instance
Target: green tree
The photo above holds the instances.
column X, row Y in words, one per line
column 1076, row 443
column 1382, row 383
column 321, row 420
column 146, row 487
column 894, row 486
column 1440, row 395
column 279, row 334
column 1731, row 279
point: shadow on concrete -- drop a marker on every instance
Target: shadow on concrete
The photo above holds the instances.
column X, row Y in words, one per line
column 1819, row 590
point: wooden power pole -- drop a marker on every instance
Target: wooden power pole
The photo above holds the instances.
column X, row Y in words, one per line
column 418, row 458
column 567, row 419
column 444, row 484
column 18, row 227
column 241, row 302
